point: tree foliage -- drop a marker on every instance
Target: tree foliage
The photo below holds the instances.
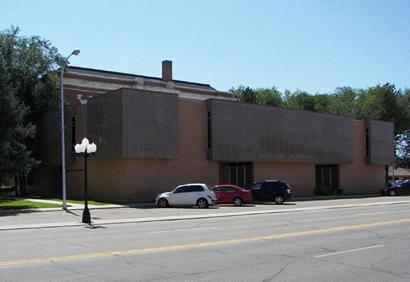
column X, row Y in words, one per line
column 28, row 88
column 402, row 144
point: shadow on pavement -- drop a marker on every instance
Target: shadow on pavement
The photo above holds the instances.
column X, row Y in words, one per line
column 71, row 212
column 15, row 212
column 335, row 197
column 92, row 226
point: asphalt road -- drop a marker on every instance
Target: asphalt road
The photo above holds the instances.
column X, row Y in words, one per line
column 350, row 244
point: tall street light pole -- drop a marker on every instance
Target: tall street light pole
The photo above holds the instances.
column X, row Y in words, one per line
column 63, row 64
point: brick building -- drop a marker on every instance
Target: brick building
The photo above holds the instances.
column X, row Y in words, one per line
column 155, row 133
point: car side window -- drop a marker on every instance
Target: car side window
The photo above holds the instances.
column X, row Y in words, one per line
column 216, row 190
column 195, row 188
column 229, row 190
column 268, row 186
column 283, row 186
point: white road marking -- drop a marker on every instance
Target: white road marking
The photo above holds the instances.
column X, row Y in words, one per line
column 160, row 231
column 197, row 229
column 182, row 230
column 349, row 251
column 370, row 213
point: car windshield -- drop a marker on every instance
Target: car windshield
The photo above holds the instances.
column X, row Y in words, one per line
column 173, row 191
column 397, row 183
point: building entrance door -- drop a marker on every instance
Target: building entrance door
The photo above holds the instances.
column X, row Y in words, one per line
column 240, row 174
column 327, row 176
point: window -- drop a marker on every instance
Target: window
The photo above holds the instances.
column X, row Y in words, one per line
column 73, row 133
column 327, row 176
column 240, row 174
column 195, row 188
column 270, row 185
column 367, row 143
column 217, row 190
column 209, row 131
column 229, row 190
column 284, row 185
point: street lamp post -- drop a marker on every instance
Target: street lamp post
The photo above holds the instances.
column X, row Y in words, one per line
column 63, row 64
column 85, row 149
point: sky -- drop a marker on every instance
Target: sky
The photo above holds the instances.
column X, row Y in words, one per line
column 314, row 45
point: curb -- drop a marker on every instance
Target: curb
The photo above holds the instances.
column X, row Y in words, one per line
column 151, row 204
column 188, row 217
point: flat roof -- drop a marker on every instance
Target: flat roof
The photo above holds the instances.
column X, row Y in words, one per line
column 115, row 73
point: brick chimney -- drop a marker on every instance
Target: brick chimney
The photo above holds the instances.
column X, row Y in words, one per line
column 167, row 70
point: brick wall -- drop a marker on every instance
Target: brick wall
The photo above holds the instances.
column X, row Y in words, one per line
column 142, row 179
column 360, row 177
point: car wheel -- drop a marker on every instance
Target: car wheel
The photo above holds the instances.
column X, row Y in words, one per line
column 279, row 199
column 202, row 203
column 237, row 202
column 392, row 193
column 162, row 203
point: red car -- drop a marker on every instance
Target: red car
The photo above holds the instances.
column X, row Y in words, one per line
column 231, row 194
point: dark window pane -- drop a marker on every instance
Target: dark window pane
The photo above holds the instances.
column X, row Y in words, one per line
column 209, row 131
column 224, row 173
column 196, row 188
column 233, row 174
column 319, row 177
column 249, row 174
column 256, row 186
column 268, row 185
column 229, row 190
column 241, row 175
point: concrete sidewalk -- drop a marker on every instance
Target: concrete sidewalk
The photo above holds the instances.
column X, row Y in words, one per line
column 33, row 220
column 76, row 206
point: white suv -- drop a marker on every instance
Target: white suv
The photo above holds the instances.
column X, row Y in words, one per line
column 195, row 194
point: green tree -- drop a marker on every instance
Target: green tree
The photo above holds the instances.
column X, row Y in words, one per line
column 244, row 94
column 380, row 103
column 15, row 158
column 323, row 103
column 402, row 146
column 28, row 86
column 269, row 96
column 344, row 102
column 301, row 100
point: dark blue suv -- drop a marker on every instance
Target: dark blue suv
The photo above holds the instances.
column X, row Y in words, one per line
column 271, row 190
column 398, row 188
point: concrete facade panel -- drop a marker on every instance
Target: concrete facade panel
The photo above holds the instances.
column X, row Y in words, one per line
column 150, row 125
column 381, row 142
column 129, row 123
column 104, row 124
column 247, row 132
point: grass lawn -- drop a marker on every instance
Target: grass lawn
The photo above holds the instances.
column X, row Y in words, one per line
column 90, row 202
column 14, row 204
